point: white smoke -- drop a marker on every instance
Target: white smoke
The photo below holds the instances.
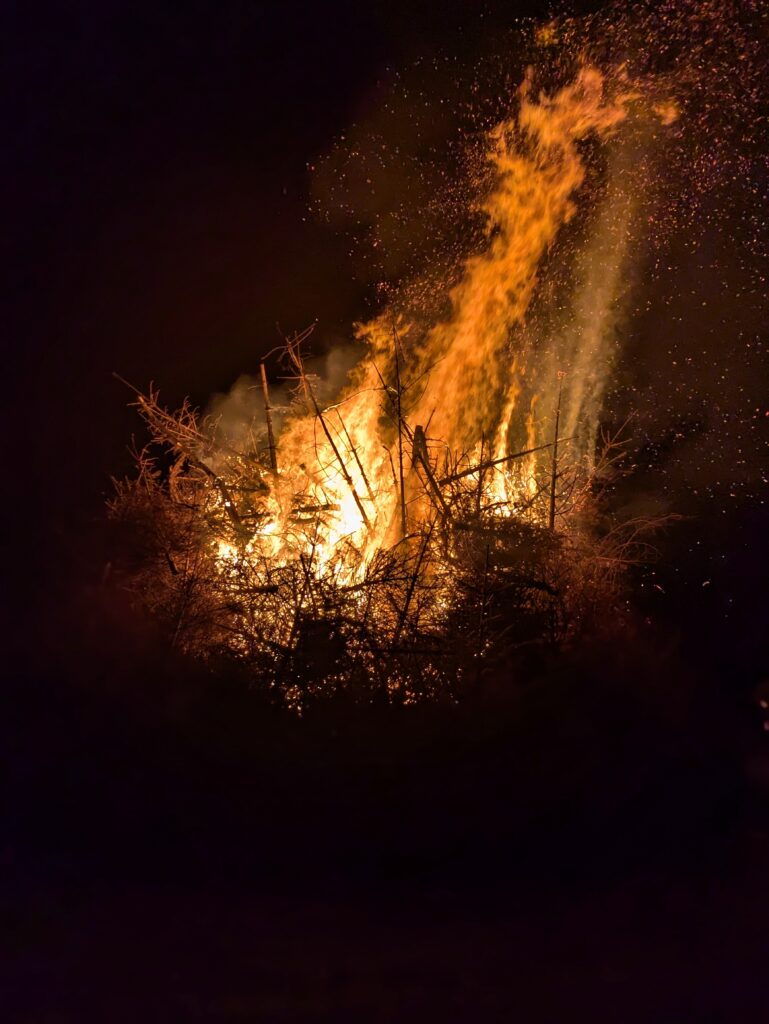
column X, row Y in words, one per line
column 237, row 417
column 588, row 341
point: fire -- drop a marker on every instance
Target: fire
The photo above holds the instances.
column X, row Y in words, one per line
column 459, row 381
column 369, row 510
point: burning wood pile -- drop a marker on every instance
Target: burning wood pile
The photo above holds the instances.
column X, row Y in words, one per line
column 406, row 538
column 321, row 576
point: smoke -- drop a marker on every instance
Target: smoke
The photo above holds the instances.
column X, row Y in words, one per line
column 576, row 340
column 589, row 339
column 237, row 417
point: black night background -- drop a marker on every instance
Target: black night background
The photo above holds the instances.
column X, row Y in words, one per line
column 176, row 183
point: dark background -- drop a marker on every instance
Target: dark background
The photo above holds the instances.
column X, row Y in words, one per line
column 155, row 184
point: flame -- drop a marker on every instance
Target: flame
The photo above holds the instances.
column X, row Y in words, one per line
column 460, row 381
column 443, row 429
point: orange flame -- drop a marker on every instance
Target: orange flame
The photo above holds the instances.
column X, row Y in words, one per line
column 460, row 380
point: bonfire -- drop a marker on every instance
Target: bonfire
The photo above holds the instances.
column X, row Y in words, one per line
column 443, row 510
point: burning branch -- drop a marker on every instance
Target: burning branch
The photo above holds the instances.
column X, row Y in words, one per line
column 268, row 417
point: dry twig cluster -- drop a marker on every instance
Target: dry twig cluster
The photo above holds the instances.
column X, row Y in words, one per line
column 231, row 557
